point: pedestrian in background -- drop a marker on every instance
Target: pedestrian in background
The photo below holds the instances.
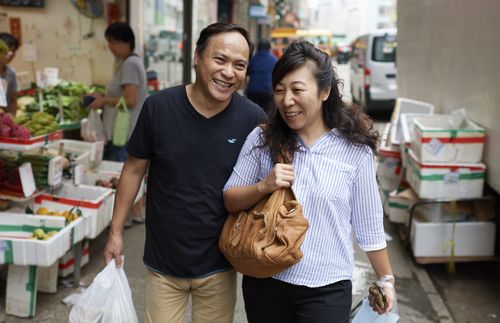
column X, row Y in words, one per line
column 259, row 88
column 332, row 172
column 129, row 80
column 7, row 73
column 190, row 137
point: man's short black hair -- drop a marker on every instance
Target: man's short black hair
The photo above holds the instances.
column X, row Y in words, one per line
column 217, row 28
column 121, row 31
column 10, row 41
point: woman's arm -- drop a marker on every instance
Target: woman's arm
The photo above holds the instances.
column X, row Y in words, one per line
column 382, row 267
column 129, row 94
column 243, row 197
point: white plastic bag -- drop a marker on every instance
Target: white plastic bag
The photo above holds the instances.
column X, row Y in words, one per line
column 92, row 128
column 108, row 299
column 366, row 314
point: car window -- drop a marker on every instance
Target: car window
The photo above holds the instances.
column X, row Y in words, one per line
column 384, row 48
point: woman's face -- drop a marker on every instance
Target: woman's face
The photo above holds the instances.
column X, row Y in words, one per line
column 299, row 101
column 118, row 48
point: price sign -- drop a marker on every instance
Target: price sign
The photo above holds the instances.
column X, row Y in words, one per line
column 97, row 151
column 27, row 179
column 55, row 171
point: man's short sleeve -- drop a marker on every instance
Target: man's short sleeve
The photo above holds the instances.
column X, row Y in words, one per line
column 142, row 139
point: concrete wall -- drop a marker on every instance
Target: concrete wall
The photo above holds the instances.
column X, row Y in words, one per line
column 448, row 54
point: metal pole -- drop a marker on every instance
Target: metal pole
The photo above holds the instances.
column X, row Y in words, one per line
column 187, row 37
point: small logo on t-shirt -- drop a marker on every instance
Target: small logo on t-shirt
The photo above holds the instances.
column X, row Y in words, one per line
column 232, row 140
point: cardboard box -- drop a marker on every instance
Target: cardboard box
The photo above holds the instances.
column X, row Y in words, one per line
column 96, row 204
column 448, row 139
column 450, row 181
column 473, row 238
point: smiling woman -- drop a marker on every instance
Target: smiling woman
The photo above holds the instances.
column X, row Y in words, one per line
column 328, row 147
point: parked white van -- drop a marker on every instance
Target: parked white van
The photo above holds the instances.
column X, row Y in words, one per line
column 373, row 70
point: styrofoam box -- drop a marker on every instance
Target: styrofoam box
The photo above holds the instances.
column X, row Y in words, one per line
column 438, row 180
column 433, row 239
column 406, row 133
column 399, row 205
column 81, row 156
column 405, row 106
column 106, row 170
column 96, row 204
column 66, row 264
column 96, row 149
column 389, row 168
column 438, row 139
column 20, row 295
column 17, row 247
column 47, row 278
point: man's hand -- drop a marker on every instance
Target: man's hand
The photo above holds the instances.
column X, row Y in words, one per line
column 114, row 248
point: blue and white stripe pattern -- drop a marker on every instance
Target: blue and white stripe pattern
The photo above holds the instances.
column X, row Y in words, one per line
column 335, row 183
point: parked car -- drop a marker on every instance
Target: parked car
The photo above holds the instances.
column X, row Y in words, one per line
column 373, row 70
column 343, row 53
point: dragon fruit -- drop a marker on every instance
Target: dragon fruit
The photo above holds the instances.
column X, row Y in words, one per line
column 8, row 121
column 5, row 131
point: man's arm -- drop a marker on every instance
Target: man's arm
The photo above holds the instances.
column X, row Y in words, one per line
column 132, row 174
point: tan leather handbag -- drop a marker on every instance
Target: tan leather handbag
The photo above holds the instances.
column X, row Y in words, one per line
column 265, row 240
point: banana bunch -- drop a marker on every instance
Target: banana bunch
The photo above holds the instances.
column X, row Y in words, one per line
column 40, row 123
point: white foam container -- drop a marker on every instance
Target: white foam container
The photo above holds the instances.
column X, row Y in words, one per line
column 449, row 181
column 441, row 138
column 405, row 106
column 433, row 239
column 389, row 168
column 96, row 204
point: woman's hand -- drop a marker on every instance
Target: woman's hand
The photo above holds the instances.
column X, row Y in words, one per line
column 282, row 175
column 99, row 101
column 387, row 288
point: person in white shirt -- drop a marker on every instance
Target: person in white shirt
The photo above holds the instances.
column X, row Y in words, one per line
column 332, row 172
column 7, row 73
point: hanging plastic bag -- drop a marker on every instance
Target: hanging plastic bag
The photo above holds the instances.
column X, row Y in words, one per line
column 92, row 129
column 108, row 299
column 363, row 313
column 122, row 123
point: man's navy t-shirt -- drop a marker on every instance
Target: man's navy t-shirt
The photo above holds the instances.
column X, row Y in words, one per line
column 191, row 158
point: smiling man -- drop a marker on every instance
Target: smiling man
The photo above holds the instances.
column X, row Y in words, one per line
column 190, row 137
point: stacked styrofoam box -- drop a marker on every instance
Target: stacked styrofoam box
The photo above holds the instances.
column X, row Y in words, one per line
column 95, row 150
column 406, row 134
column 445, row 180
column 399, row 204
column 433, row 239
column 388, row 168
column 96, row 204
column 441, row 138
column 405, row 106
column 20, row 299
column 66, row 265
column 80, row 156
column 25, row 254
column 17, row 248
column 106, row 170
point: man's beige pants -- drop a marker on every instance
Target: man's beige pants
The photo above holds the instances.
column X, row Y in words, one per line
column 213, row 298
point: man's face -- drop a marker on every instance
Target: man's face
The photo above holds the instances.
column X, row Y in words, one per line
column 222, row 67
